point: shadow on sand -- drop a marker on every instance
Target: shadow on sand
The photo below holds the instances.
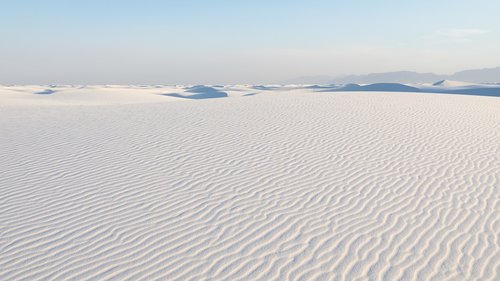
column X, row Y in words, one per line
column 45, row 92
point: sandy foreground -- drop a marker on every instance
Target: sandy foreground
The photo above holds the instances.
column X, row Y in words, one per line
column 265, row 184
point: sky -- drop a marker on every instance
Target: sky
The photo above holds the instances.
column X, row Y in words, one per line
column 230, row 42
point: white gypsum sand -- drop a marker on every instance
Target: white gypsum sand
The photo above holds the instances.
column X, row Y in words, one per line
column 261, row 185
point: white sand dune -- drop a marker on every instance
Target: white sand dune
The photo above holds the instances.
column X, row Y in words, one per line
column 83, row 95
column 122, row 183
column 454, row 84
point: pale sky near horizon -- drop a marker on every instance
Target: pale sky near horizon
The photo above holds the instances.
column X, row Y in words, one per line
column 228, row 42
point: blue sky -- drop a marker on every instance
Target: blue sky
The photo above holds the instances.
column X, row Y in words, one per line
column 213, row 42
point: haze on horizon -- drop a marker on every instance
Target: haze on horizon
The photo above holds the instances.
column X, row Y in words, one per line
column 228, row 42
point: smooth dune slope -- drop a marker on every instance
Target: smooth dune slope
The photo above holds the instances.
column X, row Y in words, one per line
column 280, row 185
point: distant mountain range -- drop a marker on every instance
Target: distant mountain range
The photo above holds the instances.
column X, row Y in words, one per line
column 486, row 75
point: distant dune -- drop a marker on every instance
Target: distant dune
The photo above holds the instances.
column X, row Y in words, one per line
column 199, row 92
column 448, row 83
column 378, row 87
column 244, row 182
column 442, row 87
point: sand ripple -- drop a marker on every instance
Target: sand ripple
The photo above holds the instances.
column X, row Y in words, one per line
column 299, row 186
